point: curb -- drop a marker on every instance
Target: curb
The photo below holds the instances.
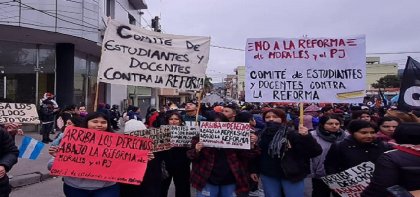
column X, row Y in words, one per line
column 28, row 179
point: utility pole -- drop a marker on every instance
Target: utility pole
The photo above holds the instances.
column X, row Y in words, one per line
column 155, row 97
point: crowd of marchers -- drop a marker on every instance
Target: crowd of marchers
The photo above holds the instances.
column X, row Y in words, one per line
column 284, row 150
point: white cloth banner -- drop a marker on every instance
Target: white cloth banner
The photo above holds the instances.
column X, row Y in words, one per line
column 19, row 113
column 351, row 182
column 134, row 56
column 305, row 70
column 225, row 135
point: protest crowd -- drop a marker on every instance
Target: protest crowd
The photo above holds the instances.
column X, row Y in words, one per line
column 283, row 151
column 303, row 117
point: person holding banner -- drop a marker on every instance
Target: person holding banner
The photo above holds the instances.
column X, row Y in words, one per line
column 326, row 134
column 8, row 157
column 361, row 146
column 400, row 166
column 79, row 187
column 191, row 112
column 220, row 172
column 284, row 159
column 177, row 163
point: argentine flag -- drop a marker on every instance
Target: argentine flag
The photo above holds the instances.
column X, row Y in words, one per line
column 30, row 148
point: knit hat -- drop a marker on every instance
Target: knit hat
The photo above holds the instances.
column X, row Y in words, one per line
column 133, row 125
column 407, row 133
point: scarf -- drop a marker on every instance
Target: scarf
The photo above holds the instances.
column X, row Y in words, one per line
column 409, row 148
column 279, row 132
column 381, row 136
column 330, row 136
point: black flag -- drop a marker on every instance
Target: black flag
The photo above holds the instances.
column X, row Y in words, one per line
column 409, row 98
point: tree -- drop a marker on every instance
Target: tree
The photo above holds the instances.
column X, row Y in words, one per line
column 208, row 86
column 388, row 81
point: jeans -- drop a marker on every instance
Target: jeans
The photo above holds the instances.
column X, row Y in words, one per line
column 110, row 191
column 217, row 191
column 273, row 187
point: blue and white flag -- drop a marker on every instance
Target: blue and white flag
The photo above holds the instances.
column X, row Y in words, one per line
column 30, row 148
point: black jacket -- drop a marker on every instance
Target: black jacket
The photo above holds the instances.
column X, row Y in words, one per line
column 394, row 168
column 349, row 153
column 296, row 163
column 8, row 158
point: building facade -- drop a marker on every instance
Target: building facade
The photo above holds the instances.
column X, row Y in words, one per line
column 55, row 46
column 240, row 85
column 376, row 70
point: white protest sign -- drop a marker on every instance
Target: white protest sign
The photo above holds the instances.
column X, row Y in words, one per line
column 134, row 56
column 225, row 134
column 181, row 136
column 351, row 182
column 161, row 137
column 305, row 70
column 19, row 113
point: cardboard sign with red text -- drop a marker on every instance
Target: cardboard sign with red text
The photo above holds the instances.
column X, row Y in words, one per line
column 351, row 182
column 225, row 134
column 99, row 155
column 161, row 137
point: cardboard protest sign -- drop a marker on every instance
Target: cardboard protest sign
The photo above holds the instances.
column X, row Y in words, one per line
column 351, row 182
column 134, row 56
column 161, row 137
column 305, row 70
column 19, row 113
column 99, row 155
column 225, row 134
column 181, row 136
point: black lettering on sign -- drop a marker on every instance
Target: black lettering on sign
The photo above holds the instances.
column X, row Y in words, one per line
column 154, row 40
column 190, row 45
column 295, row 95
column 136, row 77
column 153, row 66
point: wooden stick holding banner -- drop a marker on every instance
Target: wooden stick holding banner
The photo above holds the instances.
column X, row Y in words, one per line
column 198, row 107
column 96, row 96
column 300, row 113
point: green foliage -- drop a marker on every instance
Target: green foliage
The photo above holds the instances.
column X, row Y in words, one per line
column 388, row 81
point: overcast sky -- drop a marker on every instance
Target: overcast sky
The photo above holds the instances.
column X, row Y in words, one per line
column 389, row 25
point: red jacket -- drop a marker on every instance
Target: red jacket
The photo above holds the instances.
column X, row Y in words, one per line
column 203, row 162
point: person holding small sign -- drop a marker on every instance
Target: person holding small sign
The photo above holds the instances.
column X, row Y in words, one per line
column 218, row 171
column 77, row 187
column 360, row 146
column 177, row 163
column 284, row 160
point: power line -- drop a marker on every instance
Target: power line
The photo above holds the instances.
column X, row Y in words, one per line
column 30, row 7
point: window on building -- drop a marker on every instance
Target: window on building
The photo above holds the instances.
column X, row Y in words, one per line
column 131, row 19
column 110, row 8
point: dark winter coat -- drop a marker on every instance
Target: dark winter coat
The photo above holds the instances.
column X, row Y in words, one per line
column 349, row 153
column 8, row 157
column 296, row 165
column 394, row 168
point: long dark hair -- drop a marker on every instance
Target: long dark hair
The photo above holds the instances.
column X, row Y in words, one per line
column 170, row 114
column 94, row 115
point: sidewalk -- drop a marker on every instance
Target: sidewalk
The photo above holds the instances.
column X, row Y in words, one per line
column 26, row 171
